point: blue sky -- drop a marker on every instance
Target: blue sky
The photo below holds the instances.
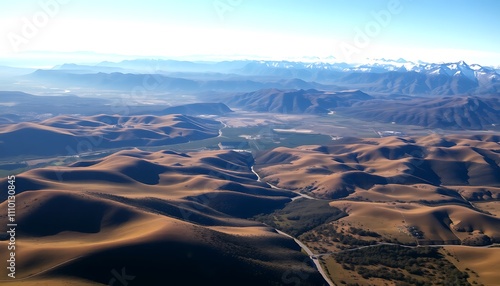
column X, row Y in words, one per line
column 349, row 30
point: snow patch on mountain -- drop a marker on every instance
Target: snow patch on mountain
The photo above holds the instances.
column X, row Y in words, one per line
column 473, row 72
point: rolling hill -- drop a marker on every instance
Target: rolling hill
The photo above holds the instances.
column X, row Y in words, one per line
column 185, row 212
column 158, row 216
column 357, row 167
column 70, row 135
column 295, row 101
column 444, row 174
column 394, row 192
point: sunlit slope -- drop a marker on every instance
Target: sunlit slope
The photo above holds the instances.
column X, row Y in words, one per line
column 162, row 216
column 430, row 183
column 68, row 135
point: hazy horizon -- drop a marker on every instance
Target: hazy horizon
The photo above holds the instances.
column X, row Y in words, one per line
column 348, row 31
column 48, row 60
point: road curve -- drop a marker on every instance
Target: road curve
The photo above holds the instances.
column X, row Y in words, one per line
column 311, row 255
column 303, row 246
column 300, row 195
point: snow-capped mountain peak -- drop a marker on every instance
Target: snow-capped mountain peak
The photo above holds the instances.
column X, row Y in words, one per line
column 474, row 72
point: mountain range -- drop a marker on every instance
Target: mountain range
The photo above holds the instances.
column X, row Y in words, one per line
column 239, row 66
column 384, row 77
column 157, row 83
column 410, row 79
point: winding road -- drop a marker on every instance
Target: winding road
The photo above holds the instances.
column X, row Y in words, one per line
column 312, row 256
column 300, row 195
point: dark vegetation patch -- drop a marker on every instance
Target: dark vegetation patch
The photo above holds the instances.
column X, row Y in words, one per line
column 404, row 265
column 301, row 215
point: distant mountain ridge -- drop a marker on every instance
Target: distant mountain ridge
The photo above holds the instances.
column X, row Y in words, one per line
column 382, row 76
column 473, row 71
column 405, row 78
column 157, row 82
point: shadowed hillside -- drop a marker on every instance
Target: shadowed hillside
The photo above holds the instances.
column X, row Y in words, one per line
column 197, row 109
column 296, row 101
column 68, row 135
column 161, row 216
column 432, row 182
column 460, row 112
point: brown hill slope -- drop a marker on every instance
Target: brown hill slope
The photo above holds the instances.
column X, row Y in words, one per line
column 430, row 183
column 301, row 101
column 355, row 167
column 67, row 135
column 161, row 217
